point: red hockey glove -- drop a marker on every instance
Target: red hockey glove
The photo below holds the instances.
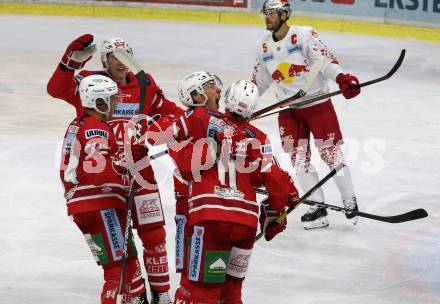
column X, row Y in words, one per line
column 349, row 85
column 268, row 225
column 79, row 52
column 138, row 151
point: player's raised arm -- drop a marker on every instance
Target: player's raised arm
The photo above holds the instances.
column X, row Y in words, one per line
column 63, row 84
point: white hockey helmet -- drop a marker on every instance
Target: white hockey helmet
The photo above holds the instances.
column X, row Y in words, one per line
column 279, row 6
column 193, row 83
column 111, row 44
column 241, row 98
column 94, row 87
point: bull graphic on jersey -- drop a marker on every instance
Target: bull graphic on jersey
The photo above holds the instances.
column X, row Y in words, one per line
column 241, row 261
column 286, row 72
column 148, row 208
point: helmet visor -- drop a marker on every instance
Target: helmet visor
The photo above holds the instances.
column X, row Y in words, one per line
column 269, row 11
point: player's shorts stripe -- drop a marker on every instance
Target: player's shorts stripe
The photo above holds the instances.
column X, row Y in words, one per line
column 100, row 186
column 159, row 284
column 223, row 208
column 212, row 195
column 158, row 274
column 90, row 197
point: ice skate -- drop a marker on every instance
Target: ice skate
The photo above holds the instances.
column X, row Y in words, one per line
column 315, row 217
column 351, row 213
column 160, row 297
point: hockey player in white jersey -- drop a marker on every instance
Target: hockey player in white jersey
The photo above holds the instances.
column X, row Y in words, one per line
column 285, row 57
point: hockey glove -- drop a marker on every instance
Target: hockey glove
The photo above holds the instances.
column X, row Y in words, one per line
column 138, row 151
column 79, row 52
column 268, row 225
column 349, row 85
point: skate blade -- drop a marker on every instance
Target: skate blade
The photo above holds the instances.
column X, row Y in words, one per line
column 316, row 224
column 354, row 220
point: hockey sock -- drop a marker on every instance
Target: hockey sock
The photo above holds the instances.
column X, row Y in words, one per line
column 333, row 156
column 308, row 179
column 231, row 292
column 206, row 293
column 155, row 258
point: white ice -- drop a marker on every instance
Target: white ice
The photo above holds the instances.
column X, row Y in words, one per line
column 393, row 149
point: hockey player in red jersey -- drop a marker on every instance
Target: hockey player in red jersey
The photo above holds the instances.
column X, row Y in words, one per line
column 64, row 85
column 198, row 89
column 95, row 192
column 285, row 57
column 223, row 212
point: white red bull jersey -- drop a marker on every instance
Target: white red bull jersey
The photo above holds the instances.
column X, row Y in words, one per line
column 287, row 62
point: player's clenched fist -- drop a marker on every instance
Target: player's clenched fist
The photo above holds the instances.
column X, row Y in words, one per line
column 79, row 52
column 349, row 85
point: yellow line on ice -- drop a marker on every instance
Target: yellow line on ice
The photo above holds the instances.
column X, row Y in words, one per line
column 244, row 18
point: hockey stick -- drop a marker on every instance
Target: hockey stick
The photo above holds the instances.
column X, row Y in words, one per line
column 303, row 198
column 143, row 80
column 394, row 219
column 290, row 100
column 310, row 79
column 158, row 154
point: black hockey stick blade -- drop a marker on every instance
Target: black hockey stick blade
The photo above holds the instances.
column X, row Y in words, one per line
column 331, row 94
column 400, row 218
column 394, row 219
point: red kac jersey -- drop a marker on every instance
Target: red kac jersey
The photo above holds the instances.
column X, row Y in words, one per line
column 87, row 172
column 225, row 192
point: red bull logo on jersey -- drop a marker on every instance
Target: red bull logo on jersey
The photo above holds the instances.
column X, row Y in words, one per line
column 286, row 72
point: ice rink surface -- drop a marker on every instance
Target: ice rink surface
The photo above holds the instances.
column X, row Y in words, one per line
column 392, row 145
